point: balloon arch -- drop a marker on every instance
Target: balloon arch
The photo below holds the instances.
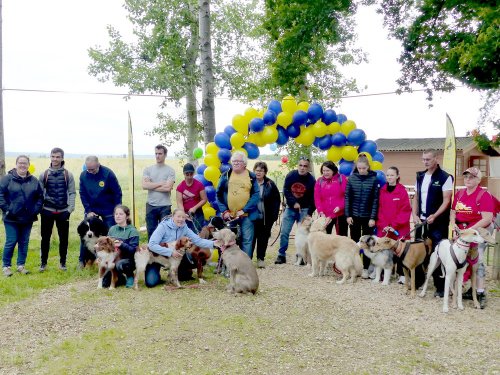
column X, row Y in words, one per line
column 279, row 123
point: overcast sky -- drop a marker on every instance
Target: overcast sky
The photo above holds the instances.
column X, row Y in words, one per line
column 45, row 47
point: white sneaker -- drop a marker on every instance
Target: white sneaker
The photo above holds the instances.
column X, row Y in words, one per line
column 365, row 274
column 401, row 280
column 261, row 264
column 372, row 275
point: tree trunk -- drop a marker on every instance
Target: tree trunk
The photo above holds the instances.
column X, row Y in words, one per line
column 207, row 76
column 2, row 142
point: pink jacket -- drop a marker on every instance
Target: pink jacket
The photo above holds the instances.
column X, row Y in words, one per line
column 394, row 210
column 329, row 194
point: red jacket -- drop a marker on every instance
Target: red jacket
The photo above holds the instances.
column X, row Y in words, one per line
column 329, row 194
column 394, row 210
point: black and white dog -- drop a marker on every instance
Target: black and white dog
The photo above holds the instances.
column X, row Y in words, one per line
column 89, row 230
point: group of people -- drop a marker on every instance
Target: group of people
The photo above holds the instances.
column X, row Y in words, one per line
column 356, row 205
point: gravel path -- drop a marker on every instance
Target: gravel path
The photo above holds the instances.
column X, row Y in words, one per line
column 295, row 324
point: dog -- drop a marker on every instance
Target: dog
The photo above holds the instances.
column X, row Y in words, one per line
column 340, row 250
column 452, row 257
column 381, row 259
column 107, row 256
column 143, row 256
column 243, row 277
column 302, row 252
column 413, row 256
column 89, row 230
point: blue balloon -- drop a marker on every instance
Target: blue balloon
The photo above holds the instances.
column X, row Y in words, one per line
column 229, row 130
column 368, row 146
column 252, row 150
column 224, row 155
column 329, row 116
column 293, row 131
column 381, row 178
column 316, row 142
column 222, row 140
column 203, row 180
column 378, row 157
column 275, row 106
column 201, row 168
column 314, row 112
column 256, row 125
column 210, row 190
column 269, row 117
column 299, row 118
column 341, row 118
column 325, row 142
column 338, row 139
column 346, row 168
column 282, row 136
column 356, row 137
column 273, row 146
column 224, row 167
column 84, row 167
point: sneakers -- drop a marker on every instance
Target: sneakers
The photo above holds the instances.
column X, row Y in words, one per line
column 481, row 298
column 281, row 259
column 81, row 265
column 261, row 263
column 130, row 282
column 468, row 294
column 43, row 267
column 401, row 280
column 22, row 270
column 439, row 294
column 364, row 274
column 7, row 272
column 372, row 275
column 62, row 267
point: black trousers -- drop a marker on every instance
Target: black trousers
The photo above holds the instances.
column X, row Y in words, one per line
column 360, row 227
column 47, row 220
column 340, row 226
column 262, row 233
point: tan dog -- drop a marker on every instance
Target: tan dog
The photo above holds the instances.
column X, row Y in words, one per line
column 340, row 250
column 143, row 256
column 243, row 277
column 107, row 256
column 412, row 255
column 302, row 252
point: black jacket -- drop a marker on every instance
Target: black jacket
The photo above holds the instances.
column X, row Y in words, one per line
column 20, row 198
column 361, row 196
column 300, row 189
column 434, row 195
column 272, row 200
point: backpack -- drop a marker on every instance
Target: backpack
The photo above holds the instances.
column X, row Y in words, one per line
column 46, row 177
column 496, row 202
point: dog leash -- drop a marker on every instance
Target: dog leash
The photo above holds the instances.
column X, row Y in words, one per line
column 415, row 228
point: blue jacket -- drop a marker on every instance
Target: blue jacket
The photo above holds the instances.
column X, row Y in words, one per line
column 251, row 208
column 100, row 193
column 168, row 231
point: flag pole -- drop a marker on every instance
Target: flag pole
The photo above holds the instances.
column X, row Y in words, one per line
column 133, row 214
column 450, row 156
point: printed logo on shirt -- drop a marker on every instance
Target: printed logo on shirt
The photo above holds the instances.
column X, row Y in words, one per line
column 101, row 183
column 436, row 183
column 462, row 207
column 298, row 190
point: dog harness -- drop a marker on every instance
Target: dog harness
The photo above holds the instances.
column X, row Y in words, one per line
column 400, row 251
column 465, row 246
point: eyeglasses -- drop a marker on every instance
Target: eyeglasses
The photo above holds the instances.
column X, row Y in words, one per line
column 237, row 162
column 469, row 176
column 305, row 158
column 188, row 173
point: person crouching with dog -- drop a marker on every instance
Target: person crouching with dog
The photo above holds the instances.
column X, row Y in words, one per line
column 169, row 230
column 473, row 208
column 126, row 239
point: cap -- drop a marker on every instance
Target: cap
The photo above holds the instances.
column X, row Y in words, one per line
column 188, row 167
column 474, row 171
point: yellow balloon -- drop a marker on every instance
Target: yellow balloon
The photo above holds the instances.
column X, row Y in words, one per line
column 237, row 140
column 241, row 149
column 259, row 139
column 306, row 136
column 334, row 154
column 240, row 124
column 251, row 113
column 261, row 113
column 376, row 165
column 319, row 129
column 349, row 153
column 31, row 169
column 212, row 174
column 288, row 104
column 269, row 134
column 368, row 156
column 303, row 106
column 211, row 148
column 284, row 119
column 212, row 160
column 333, row 128
column 347, row 127
column 215, row 255
column 208, row 211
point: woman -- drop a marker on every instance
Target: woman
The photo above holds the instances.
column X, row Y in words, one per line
column 191, row 197
column 269, row 207
column 361, row 203
column 473, row 208
column 21, row 199
column 329, row 197
column 126, row 239
column 394, row 212
column 168, row 231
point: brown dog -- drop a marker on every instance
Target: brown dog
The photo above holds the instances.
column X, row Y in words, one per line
column 411, row 254
column 107, row 256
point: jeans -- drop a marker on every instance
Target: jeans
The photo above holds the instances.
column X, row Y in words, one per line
column 16, row 233
column 290, row 217
column 247, row 232
column 47, row 220
column 152, row 275
column 154, row 215
column 261, row 237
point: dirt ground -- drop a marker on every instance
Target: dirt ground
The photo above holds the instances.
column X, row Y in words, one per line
column 294, row 325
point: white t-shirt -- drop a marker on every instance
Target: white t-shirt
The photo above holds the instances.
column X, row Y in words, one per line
column 159, row 173
column 424, row 189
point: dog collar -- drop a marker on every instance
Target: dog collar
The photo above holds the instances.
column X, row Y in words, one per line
column 224, row 247
column 464, row 245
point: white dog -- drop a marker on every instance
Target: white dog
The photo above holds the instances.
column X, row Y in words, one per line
column 301, row 250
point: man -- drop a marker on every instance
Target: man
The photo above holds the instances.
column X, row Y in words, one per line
column 158, row 180
column 238, row 196
column 298, row 190
column 432, row 200
column 100, row 193
column 58, row 203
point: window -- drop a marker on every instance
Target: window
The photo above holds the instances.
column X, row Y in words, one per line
column 459, row 167
column 481, row 163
